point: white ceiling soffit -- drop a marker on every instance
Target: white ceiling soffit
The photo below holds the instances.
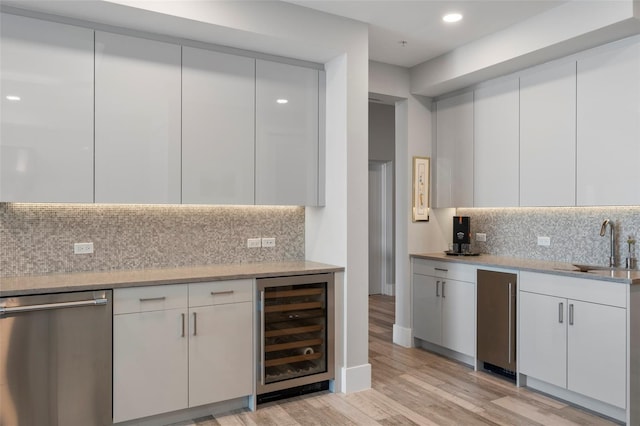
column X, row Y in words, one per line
column 419, row 23
column 567, row 29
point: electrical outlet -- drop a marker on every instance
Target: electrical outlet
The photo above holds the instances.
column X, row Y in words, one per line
column 254, row 242
column 83, row 248
column 268, row 242
column 480, row 236
column 544, row 241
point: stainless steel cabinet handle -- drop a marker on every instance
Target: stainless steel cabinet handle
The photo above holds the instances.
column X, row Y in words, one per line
column 46, row 306
column 438, row 288
column 561, row 312
column 262, row 330
column 152, row 299
column 441, row 269
column 570, row 313
column 195, row 323
column 443, row 287
column 219, row 293
column 509, row 319
column 182, row 335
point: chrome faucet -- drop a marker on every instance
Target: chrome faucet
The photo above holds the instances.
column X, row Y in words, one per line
column 603, row 229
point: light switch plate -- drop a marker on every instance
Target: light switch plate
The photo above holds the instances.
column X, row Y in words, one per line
column 481, row 236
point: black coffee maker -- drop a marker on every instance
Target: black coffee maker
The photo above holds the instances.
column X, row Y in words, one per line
column 461, row 235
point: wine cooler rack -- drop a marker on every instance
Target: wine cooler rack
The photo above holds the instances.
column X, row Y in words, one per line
column 296, row 324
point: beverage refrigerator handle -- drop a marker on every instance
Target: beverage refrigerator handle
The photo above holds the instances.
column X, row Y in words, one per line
column 262, row 329
column 509, row 319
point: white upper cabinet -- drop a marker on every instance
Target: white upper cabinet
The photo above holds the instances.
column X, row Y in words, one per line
column 137, row 120
column 454, row 151
column 548, row 135
column 287, row 141
column 609, row 126
column 46, row 129
column 218, row 104
column 496, row 152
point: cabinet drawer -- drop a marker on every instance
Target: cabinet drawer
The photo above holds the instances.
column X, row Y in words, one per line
column 152, row 298
column 451, row 270
column 588, row 290
column 220, row 292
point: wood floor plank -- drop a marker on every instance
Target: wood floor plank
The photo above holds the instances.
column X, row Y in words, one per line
column 444, row 395
column 532, row 412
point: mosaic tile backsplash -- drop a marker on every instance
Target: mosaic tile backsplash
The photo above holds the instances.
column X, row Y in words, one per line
column 39, row 238
column 574, row 232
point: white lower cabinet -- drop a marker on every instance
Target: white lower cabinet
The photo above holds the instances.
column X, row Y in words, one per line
column 181, row 346
column 149, row 364
column 220, row 353
column 569, row 337
column 443, row 308
column 427, row 308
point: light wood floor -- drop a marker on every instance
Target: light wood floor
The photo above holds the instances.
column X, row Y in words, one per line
column 414, row 387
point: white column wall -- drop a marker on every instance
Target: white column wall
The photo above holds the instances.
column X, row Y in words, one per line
column 413, row 138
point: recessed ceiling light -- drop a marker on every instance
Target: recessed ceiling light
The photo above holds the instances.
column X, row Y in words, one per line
column 452, row 17
column 282, row 101
column 13, row 98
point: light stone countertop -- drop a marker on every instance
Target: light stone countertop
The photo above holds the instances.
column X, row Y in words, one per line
column 58, row 283
column 617, row 275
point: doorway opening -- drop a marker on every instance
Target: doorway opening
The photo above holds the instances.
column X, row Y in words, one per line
column 381, row 198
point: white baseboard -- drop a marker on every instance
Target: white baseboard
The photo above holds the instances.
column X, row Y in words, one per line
column 389, row 289
column 355, row 379
column 402, row 336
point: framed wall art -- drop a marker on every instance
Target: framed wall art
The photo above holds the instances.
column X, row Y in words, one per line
column 420, row 208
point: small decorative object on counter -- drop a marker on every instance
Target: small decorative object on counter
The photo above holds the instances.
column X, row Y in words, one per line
column 632, row 261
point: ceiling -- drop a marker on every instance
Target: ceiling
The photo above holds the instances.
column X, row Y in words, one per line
column 419, row 23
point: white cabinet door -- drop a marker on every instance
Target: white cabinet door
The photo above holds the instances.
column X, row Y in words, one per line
column 46, row 117
column 459, row 317
column 597, row 349
column 542, row 337
column 286, row 134
column 548, row 136
column 427, row 308
column 495, row 144
column 220, row 353
column 609, row 126
column 454, row 151
column 150, row 355
column 218, row 110
column 137, row 120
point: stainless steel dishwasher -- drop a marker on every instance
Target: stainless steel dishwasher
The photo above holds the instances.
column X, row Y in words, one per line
column 55, row 359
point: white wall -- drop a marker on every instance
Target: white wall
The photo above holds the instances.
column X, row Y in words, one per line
column 557, row 32
column 413, row 138
column 337, row 233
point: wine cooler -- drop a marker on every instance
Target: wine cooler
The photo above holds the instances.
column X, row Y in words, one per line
column 295, row 341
